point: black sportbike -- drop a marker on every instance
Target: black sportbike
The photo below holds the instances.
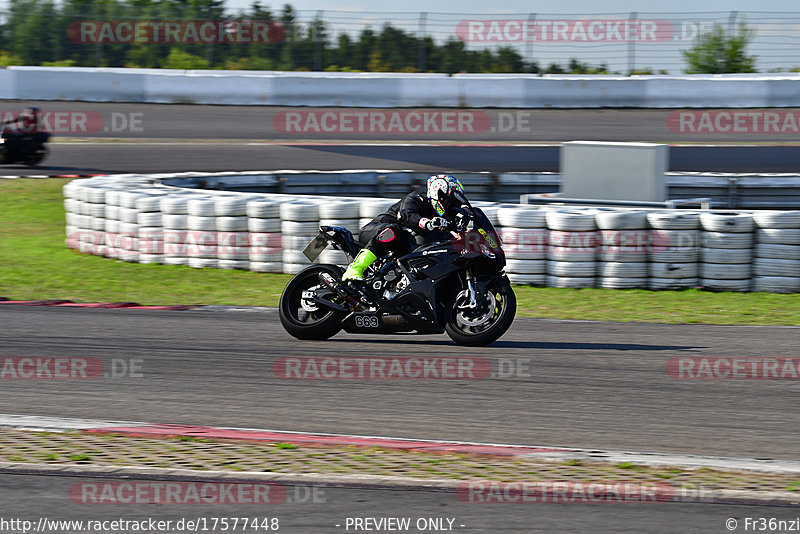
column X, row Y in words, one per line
column 29, row 148
column 455, row 285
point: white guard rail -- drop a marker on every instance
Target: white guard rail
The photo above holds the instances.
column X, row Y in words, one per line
column 139, row 219
column 270, row 88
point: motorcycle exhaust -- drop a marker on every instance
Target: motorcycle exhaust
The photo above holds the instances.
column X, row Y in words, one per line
column 393, row 320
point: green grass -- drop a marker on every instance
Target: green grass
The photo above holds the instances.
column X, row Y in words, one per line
column 36, row 265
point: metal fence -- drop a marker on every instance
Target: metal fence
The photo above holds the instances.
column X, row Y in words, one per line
column 625, row 43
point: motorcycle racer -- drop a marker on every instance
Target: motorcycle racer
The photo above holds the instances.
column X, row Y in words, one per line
column 429, row 213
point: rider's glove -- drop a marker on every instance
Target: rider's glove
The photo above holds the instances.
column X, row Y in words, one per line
column 437, row 223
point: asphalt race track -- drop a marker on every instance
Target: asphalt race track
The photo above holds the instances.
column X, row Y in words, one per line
column 590, row 385
column 583, row 384
column 30, row 495
column 172, row 138
column 565, row 383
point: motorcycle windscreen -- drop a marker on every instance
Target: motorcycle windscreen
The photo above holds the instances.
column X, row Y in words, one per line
column 315, row 248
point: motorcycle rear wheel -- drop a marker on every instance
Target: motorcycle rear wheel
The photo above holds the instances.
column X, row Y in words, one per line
column 300, row 319
column 476, row 329
column 37, row 157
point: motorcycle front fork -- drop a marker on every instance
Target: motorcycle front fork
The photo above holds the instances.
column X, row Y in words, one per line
column 472, row 293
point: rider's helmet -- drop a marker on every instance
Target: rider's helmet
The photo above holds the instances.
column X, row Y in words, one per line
column 29, row 119
column 445, row 192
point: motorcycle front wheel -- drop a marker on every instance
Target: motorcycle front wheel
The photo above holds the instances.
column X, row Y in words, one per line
column 302, row 318
column 484, row 324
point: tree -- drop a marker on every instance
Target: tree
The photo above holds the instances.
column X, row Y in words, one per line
column 718, row 52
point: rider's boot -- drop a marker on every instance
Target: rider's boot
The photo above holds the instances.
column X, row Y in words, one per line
column 354, row 275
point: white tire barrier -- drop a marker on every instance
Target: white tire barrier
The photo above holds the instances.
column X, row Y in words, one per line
column 726, row 240
column 264, row 225
column 572, row 246
column 263, row 209
column 576, row 283
column 777, row 219
column 727, row 255
column 372, row 208
column 340, row 209
column 673, row 220
column 231, row 224
column 527, row 279
column 571, row 220
column 776, row 267
column 726, row 285
column 295, row 228
column 526, row 266
column 133, row 219
column 203, row 263
column 572, row 269
column 621, row 220
column 524, row 243
column 673, row 270
column 266, row 267
column 231, row 207
column 201, row 207
column 233, row 264
column 657, row 284
column 336, row 257
column 350, row 224
column 198, row 223
column 726, row 222
column 300, row 211
column 293, row 268
column 621, row 270
column 521, row 218
column 719, row 271
column 629, row 246
column 175, row 222
column 776, row 284
column 623, row 283
column 778, row 236
column 781, row 252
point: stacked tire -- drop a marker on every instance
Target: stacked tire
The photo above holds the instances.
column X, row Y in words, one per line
column 266, row 243
column 299, row 225
column 369, row 209
column 233, row 235
column 343, row 213
column 113, row 234
column 175, row 221
column 622, row 249
column 572, row 250
column 128, row 245
column 776, row 266
column 673, row 249
column 726, row 250
column 201, row 237
column 73, row 215
column 524, row 234
column 151, row 229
